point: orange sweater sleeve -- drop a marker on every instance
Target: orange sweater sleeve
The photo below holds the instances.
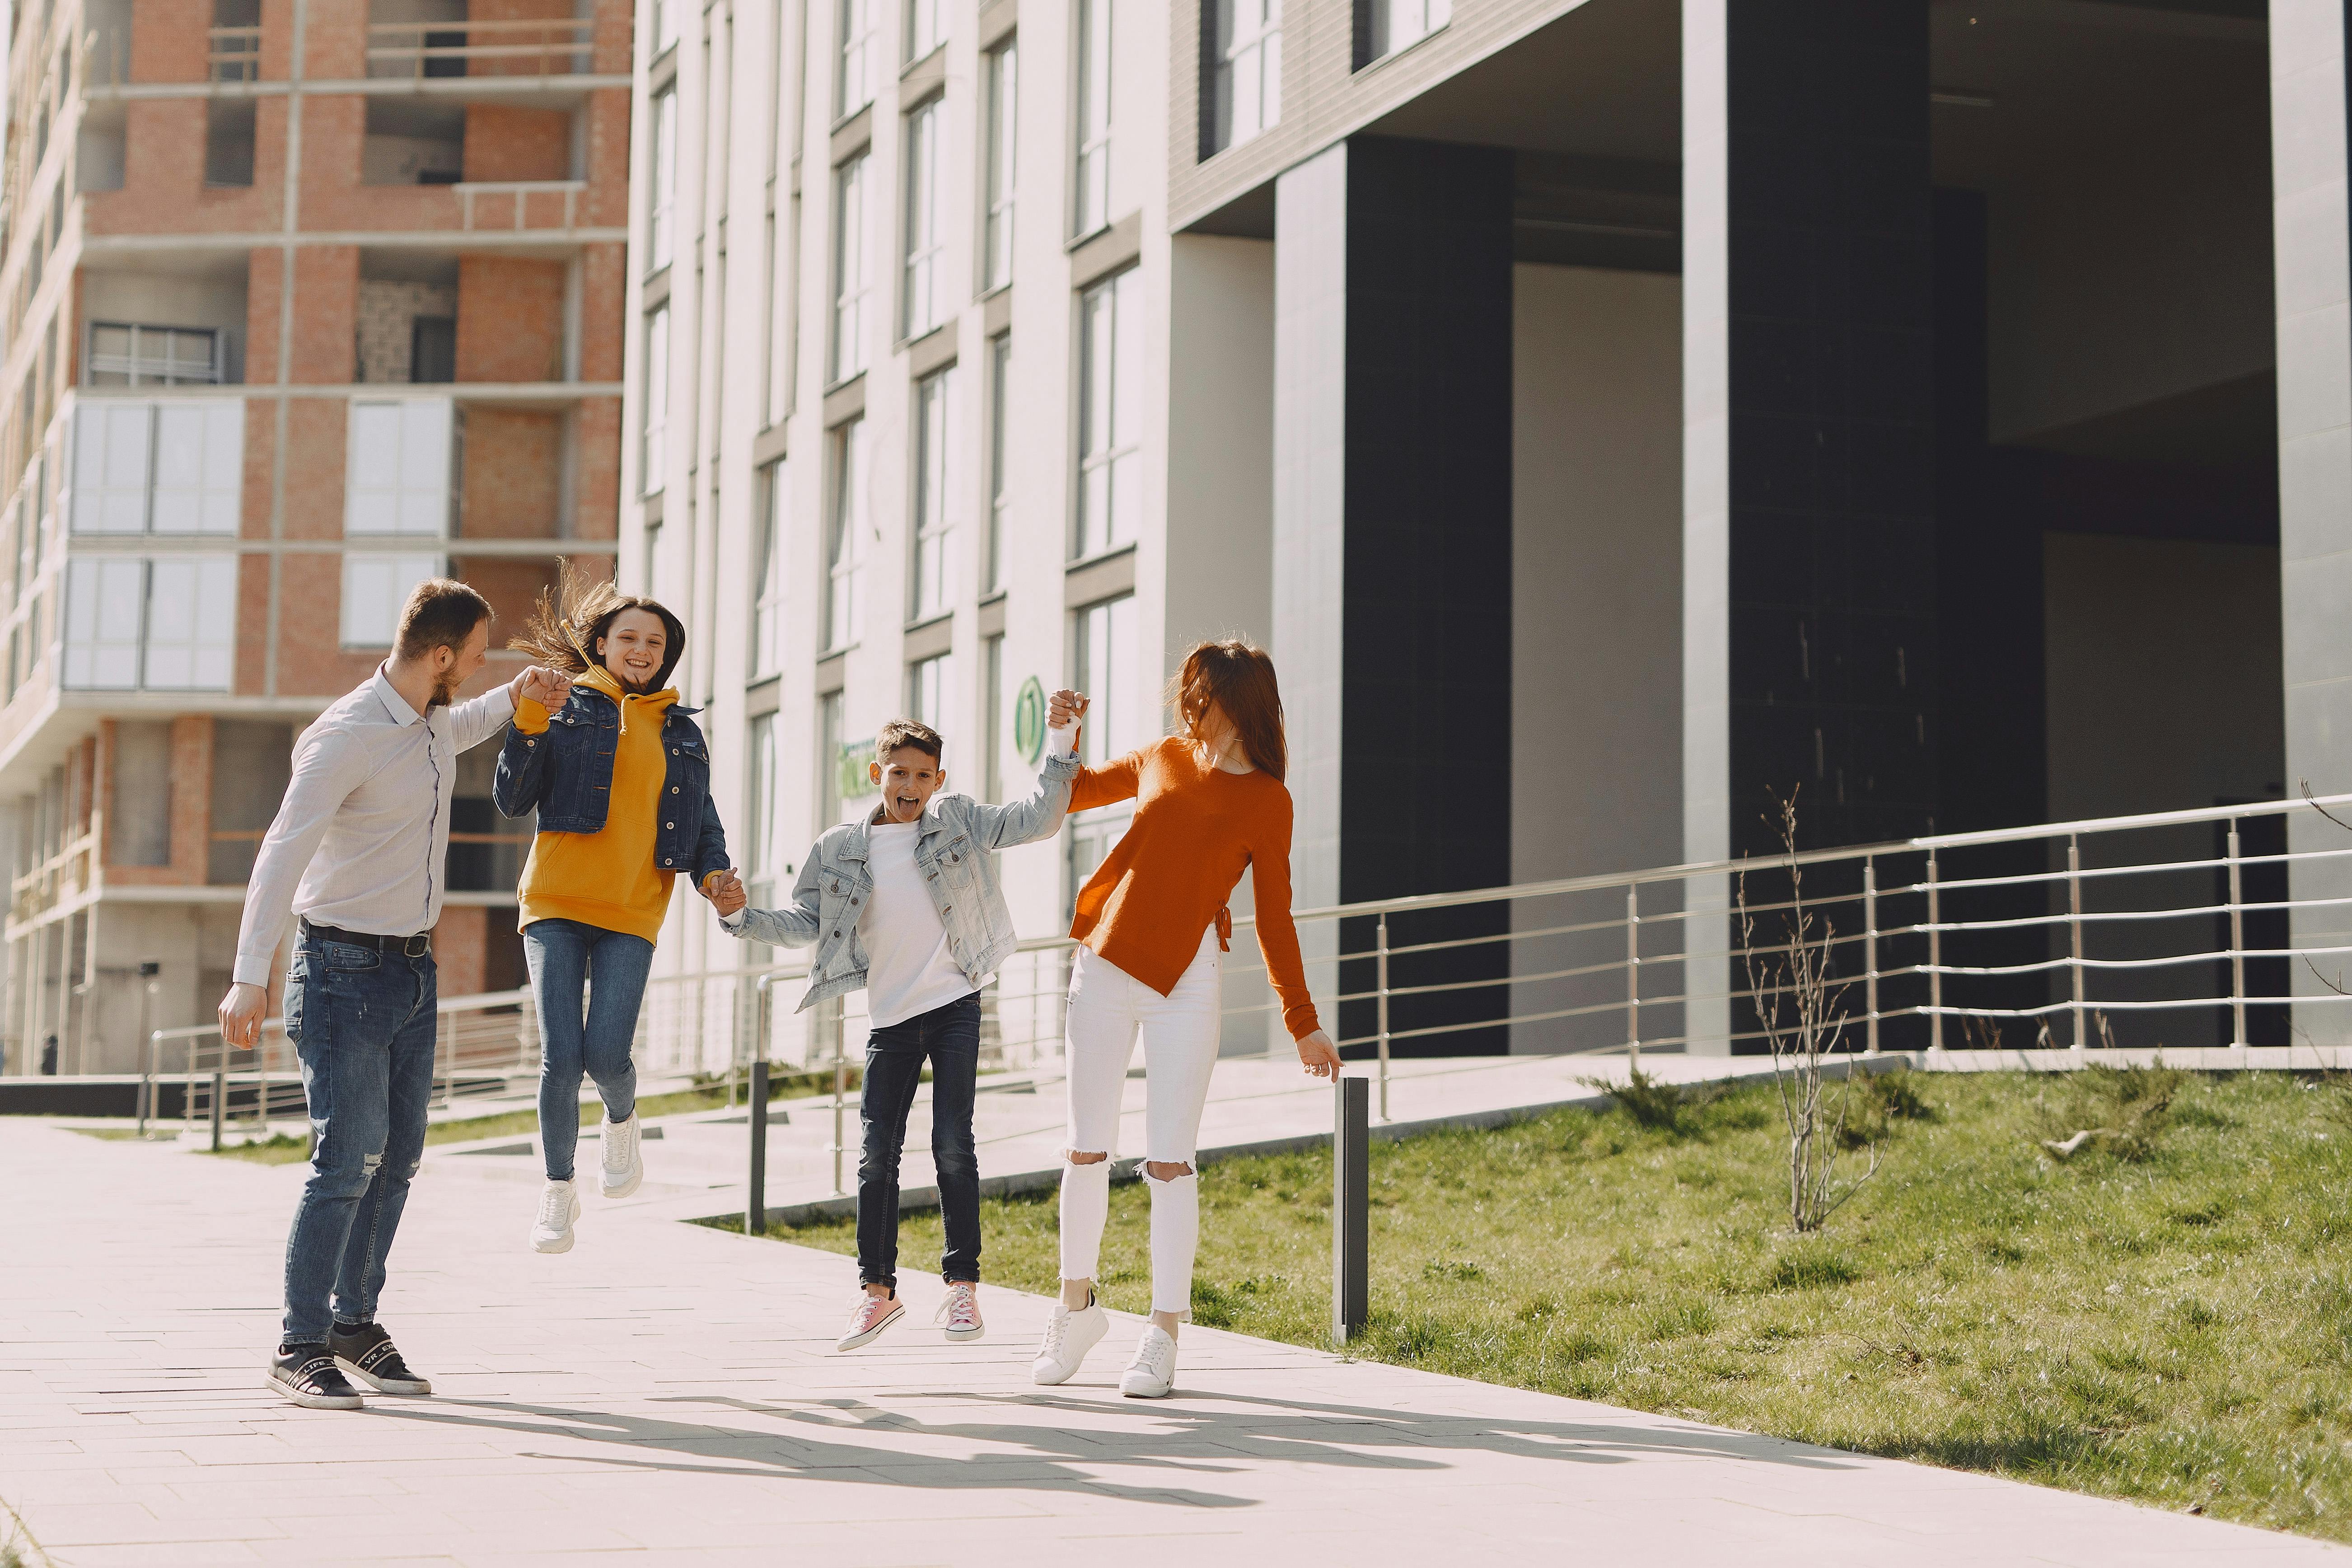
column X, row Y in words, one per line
column 1114, row 781
column 1278, row 939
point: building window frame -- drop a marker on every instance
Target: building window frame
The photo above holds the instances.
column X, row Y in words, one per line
column 932, row 538
column 653, row 440
column 1241, row 96
column 850, row 269
column 1090, row 194
column 853, row 84
column 1000, row 425
column 930, row 690
column 767, row 651
column 1002, row 71
column 1386, row 27
column 661, row 180
column 1110, row 373
column 845, row 534
column 924, row 271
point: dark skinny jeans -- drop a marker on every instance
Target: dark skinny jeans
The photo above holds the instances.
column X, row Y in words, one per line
column 948, row 1037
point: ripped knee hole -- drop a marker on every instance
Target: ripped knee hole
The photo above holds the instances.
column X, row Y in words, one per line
column 1166, row 1170
column 1078, row 1157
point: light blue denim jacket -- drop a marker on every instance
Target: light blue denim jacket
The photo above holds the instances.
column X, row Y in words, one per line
column 955, row 852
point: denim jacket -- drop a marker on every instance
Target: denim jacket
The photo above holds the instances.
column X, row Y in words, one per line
column 566, row 775
column 953, row 850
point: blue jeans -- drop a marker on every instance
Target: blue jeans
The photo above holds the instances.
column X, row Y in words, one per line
column 566, row 959
column 950, row 1037
column 362, row 1022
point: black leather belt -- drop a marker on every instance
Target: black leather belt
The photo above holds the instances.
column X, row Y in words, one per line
column 417, row 946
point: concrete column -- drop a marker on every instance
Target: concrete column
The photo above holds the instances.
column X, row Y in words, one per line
column 1809, row 473
column 1393, row 535
column 2315, row 379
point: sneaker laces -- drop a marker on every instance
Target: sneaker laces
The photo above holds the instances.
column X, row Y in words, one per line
column 555, row 1206
column 1157, row 1355
column 620, row 1144
column 959, row 1306
column 1058, row 1332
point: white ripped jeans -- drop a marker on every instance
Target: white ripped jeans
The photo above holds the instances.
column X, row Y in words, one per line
column 1108, row 1007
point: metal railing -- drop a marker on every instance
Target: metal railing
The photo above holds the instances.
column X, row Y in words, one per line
column 2179, row 930
column 233, row 54
column 420, row 50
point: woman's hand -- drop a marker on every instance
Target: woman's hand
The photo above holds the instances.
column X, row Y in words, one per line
column 548, row 688
column 1318, row 1056
column 725, row 891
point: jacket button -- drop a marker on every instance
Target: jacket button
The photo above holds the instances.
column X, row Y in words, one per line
column 673, row 789
column 669, row 825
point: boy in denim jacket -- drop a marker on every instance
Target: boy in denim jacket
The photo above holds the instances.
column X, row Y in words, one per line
column 905, row 902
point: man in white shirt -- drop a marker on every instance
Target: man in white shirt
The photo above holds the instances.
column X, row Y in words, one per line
column 357, row 852
column 906, row 904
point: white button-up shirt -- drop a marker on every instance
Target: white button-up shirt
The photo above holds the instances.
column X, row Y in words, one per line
column 365, row 824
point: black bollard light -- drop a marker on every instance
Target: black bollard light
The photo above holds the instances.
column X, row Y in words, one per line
column 1350, row 1205
column 755, row 1199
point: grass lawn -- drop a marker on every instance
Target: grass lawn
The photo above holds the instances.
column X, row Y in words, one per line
column 2165, row 1316
column 285, row 1149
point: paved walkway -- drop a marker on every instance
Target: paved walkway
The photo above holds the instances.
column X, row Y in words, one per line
column 668, row 1393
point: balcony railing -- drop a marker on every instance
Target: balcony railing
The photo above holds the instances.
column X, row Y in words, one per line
column 518, row 205
column 233, row 54
column 420, row 51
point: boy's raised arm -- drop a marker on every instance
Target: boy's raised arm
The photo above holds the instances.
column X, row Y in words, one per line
column 1039, row 817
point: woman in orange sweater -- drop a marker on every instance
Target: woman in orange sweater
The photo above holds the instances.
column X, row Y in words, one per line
column 1210, row 804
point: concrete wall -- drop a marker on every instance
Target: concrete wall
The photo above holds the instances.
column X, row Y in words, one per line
column 1596, row 728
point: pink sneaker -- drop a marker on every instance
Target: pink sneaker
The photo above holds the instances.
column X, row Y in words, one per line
column 874, row 1314
column 959, row 1314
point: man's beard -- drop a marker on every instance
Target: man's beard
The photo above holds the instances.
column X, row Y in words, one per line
column 444, row 691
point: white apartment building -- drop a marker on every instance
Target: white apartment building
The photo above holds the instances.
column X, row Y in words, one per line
column 1613, row 414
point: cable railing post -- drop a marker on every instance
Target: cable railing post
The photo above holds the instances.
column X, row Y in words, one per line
column 220, row 1093
column 147, row 1079
column 2238, row 1040
column 1934, row 960
column 1633, row 972
column 1350, row 1208
column 1384, row 1014
column 2074, row 930
column 755, row 1194
column 1870, row 949
column 840, row 1086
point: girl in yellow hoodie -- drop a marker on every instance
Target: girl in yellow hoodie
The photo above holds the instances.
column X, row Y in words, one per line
column 620, row 776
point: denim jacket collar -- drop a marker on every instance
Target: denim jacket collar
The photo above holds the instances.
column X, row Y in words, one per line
column 674, row 710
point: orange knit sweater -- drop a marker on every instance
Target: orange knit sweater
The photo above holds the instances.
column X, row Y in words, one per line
column 1195, row 829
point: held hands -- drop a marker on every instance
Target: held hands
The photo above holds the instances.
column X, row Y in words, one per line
column 240, row 1014
column 548, row 688
column 1318, row 1056
column 725, row 891
column 1065, row 708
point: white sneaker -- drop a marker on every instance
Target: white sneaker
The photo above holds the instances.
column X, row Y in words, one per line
column 872, row 1315
column 559, row 1205
column 1153, row 1372
column 958, row 1312
column 623, row 1166
column 1068, row 1337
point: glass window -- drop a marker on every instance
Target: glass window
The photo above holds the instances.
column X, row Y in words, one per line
column 1245, row 76
column 926, row 26
column 652, row 465
column 929, row 682
column 849, row 281
column 1004, row 84
column 1093, row 184
column 926, row 238
column 1110, row 372
column 666, row 14
column 661, row 180
column 166, row 624
column 126, row 354
column 846, row 543
column 1000, row 420
column 760, row 860
column 934, row 511
column 1104, row 667
column 398, row 467
column 158, row 468
column 853, row 81
column 1392, row 24
column 768, row 573
column 830, row 709
column 991, row 701
column 375, row 587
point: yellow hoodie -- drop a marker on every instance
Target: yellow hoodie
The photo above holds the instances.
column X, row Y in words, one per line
column 607, row 879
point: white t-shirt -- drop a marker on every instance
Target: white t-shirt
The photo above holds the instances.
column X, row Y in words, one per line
column 908, row 969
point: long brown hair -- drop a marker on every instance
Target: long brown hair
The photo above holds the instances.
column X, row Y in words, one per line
column 562, row 629
column 1238, row 676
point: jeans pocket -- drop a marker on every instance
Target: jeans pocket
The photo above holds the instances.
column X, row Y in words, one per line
column 342, row 958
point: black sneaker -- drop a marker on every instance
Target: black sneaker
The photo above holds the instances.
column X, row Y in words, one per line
column 366, row 1352
column 308, row 1375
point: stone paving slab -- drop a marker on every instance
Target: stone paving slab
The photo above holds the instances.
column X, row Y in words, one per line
column 669, row 1394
